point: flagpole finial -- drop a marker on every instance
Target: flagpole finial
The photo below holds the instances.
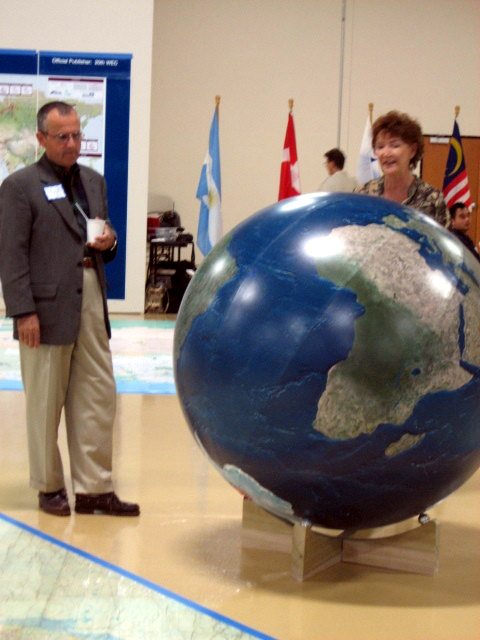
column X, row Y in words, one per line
column 217, row 100
column 370, row 109
column 290, row 104
column 457, row 110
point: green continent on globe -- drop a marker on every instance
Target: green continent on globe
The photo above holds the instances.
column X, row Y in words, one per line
column 403, row 347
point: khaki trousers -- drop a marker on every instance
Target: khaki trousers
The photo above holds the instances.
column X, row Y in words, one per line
column 79, row 378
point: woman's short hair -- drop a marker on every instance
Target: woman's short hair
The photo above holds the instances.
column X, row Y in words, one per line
column 400, row 124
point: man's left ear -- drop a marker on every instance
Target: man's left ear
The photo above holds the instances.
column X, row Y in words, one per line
column 40, row 137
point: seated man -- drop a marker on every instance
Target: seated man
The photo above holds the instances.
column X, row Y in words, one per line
column 460, row 224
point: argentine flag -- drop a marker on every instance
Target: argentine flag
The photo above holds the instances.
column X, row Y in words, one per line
column 209, row 193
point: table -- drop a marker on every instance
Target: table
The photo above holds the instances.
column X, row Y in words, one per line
column 167, row 270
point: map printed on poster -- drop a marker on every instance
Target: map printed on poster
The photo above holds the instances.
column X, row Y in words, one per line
column 18, row 103
column 22, row 96
column 88, row 95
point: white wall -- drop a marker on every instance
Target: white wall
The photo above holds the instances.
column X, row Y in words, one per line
column 255, row 55
column 418, row 56
column 103, row 26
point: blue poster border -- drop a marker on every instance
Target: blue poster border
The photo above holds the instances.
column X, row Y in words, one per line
column 116, row 69
column 19, row 61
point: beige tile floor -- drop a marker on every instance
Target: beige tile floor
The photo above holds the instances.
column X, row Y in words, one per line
column 187, row 540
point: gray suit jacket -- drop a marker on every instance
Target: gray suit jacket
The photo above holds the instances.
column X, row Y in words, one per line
column 41, row 250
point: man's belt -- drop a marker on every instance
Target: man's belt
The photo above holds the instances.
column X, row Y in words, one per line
column 88, row 263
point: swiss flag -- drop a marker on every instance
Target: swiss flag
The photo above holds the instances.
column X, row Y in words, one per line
column 289, row 177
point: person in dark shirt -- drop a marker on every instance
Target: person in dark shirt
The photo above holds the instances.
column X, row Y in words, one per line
column 460, row 224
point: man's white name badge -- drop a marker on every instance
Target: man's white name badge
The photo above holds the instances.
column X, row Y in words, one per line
column 54, row 192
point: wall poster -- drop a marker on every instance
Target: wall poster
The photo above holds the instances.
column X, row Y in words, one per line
column 99, row 87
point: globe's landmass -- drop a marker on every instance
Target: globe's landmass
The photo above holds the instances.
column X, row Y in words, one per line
column 327, row 357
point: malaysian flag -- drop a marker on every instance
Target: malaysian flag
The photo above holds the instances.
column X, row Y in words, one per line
column 455, row 183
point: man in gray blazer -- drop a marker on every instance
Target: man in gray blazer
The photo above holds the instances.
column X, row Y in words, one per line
column 55, row 289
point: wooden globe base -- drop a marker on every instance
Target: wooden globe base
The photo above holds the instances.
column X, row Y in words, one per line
column 407, row 547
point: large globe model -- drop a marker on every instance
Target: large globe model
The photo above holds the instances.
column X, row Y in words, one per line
column 327, row 358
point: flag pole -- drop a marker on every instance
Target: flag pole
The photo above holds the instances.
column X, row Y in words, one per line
column 457, row 111
column 370, row 109
column 290, row 105
column 217, row 104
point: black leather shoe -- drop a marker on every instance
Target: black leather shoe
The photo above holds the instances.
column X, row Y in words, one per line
column 54, row 502
column 104, row 504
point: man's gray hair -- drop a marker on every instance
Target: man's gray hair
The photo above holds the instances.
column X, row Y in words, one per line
column 63, row 108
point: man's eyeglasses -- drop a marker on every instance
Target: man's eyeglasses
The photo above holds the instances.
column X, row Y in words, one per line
column 63, row 138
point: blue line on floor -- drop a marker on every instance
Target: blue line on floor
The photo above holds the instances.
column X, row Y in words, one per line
column 146, row 583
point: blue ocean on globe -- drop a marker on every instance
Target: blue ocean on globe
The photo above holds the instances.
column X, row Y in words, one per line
column 327, row 359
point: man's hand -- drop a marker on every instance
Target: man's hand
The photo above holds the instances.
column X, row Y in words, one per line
column 105, row 241
column 29, row 330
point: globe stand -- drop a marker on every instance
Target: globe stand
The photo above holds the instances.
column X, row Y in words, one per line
column 413, row 550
